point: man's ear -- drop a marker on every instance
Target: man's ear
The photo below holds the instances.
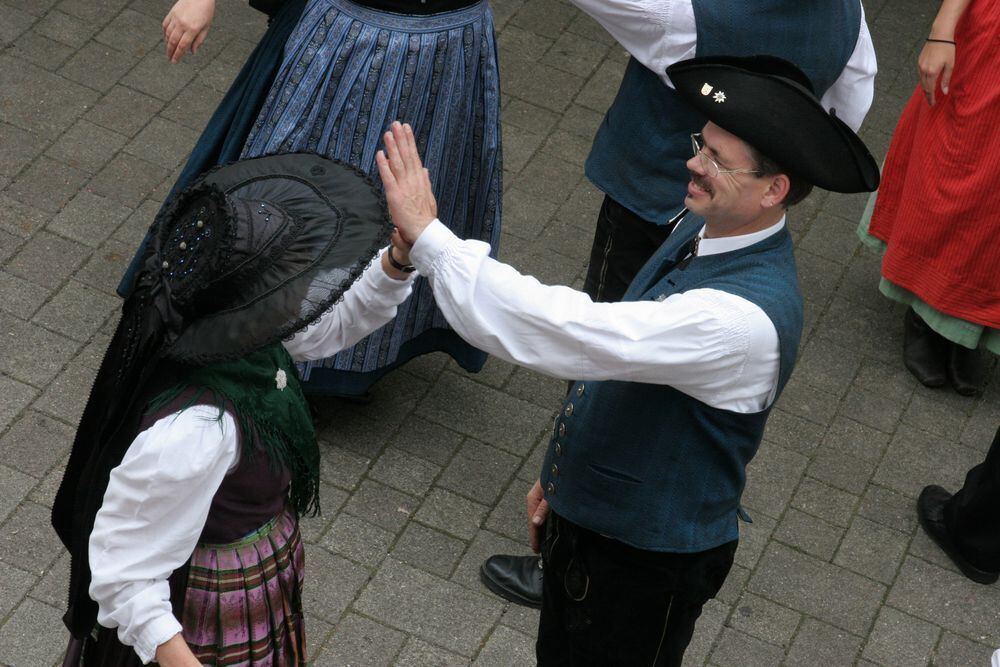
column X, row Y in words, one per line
column 777, row 191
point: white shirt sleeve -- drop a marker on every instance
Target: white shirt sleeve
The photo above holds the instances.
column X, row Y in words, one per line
column 369, row 303
column 657, row 33
column 852, row 93
column 153, row 512
column 714, row 346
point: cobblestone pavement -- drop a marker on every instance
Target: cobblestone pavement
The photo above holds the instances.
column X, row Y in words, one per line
column 428, row 479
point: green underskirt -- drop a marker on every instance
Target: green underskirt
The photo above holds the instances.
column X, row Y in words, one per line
column 959, row 331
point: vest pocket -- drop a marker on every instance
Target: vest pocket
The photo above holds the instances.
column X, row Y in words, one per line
column 616, row 475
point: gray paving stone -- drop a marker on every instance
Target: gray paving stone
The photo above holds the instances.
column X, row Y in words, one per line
column 826, row 502
column 332, row 582
column 134, row 34
column 14, row 22
column 44, row 493
column 544, row 17
column 541, row 85
column 97, row 66
column 24, row 544
column 734, row 584
column 332, row 500
column 818, row 589
column 64, row 28
column 47, row 184
column 382, row 506
column 124, row 110
column 359, row 641
column 32, row 636
column 507, row 648
column 451, row 513
column 955, row 651
column 37, row 100
column 419, row 653
column 77, row 311
column 67, row 393
column 18, row 148
column 427, row 549
column 765, row 620
column 427, row 440
column 31, row 353
column 916, row 458
column 20, row 219
column 20, row 297
column 828, row 366
column 527, row 116
column 811, row 535
column 808, row 402
column 95, row 11
column 872, row 550
column 132, row 232
column 734, row 647
column 834, row 238
column 193, row 106
column 937, row 412
column 754, row 537
column 16, row 584
column 523, row 619
column 357, row 540
column 479, row 472
column 508, row 514
column 818, row 643
column 575, row 54
column 106, row 267
column 792, row 432
column 888, row 508
column 51, row 587
column 706, row 630
column 838, row 469
column 898, row 639
column 484, row 545
column 89, row 218
column 86, row 146
column 771, row 479
column 948, row 600
column 494, row 373
column 521, row 43
column 581, row 121
column 490, row 415
column 156, row 76
column 35, row 444
column 16, row 485
column 818, row 279
column 404, row 471
column 544, row 391
column 433, row 609
column 874, row 409
column 548, row 177
column 341, row 467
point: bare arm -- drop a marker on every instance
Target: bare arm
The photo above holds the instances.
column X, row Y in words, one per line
column 186, row 26
column 176, row 653
column 937, row 59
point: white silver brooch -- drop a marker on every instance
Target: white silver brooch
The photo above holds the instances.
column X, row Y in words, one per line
column 280, row 379
column 719, row 97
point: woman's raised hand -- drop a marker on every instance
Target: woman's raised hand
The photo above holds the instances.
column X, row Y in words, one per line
column 407, row 185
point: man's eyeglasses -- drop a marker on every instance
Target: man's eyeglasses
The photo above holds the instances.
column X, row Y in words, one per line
column 710, row 166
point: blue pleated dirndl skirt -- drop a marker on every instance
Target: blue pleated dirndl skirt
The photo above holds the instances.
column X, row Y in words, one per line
column 348, row 71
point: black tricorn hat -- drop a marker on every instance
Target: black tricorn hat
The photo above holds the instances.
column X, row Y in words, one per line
column 769, row 103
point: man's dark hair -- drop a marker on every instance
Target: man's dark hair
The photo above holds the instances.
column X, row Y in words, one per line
column 798, row 188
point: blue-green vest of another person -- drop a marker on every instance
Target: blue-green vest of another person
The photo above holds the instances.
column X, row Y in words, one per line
column 648, row 465
column 637, row 157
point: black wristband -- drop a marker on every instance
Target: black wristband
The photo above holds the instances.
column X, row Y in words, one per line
column 405, row 268
column 940, row 41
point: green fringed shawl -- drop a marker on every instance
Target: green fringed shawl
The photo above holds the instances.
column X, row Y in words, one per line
column 264, row 392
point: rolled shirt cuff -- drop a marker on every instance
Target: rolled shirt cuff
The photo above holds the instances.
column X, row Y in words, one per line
column 158, row 631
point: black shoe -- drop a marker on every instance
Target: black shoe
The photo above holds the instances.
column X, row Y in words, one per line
column 967, row 369
column 930, row 510
column 514, row 578
column 924, row 351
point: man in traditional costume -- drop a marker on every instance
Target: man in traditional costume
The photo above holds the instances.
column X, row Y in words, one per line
column 637, row 158
column 327, row 78
column 195, row 453
column 647, row 458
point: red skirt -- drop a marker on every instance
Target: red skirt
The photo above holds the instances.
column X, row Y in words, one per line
column 938, row 208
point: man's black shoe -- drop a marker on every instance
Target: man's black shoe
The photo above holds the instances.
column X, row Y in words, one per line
column 930, row 510
column 924, row 351
column 514, row 578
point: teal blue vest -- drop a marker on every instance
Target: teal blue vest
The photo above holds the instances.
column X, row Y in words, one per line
column 639, row 153
column 647, row 464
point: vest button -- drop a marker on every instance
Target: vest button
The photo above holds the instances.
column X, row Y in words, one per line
column 558, row 449
column 569, row 410
column 562, row 430
column 555, row 470
column 550, row 489
column 579, row 390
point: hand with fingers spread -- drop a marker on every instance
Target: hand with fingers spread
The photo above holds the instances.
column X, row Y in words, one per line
column 186, row 26
column 407, row 186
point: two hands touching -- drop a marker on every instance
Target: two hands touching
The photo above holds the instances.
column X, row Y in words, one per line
column 412, row 207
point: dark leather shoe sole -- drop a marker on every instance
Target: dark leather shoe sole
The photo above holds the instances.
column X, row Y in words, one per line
column 507, row 593
column 930, row 511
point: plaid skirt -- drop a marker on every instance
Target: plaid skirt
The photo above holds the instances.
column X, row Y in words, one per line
column 242, row 605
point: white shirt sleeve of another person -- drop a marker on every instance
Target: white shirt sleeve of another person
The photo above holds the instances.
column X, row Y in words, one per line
column 370, row 303
column 659, row 33
column 714, row 346
column 153, row 513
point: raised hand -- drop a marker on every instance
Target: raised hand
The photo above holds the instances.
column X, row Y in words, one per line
column 186, row 26
column 407, row 185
